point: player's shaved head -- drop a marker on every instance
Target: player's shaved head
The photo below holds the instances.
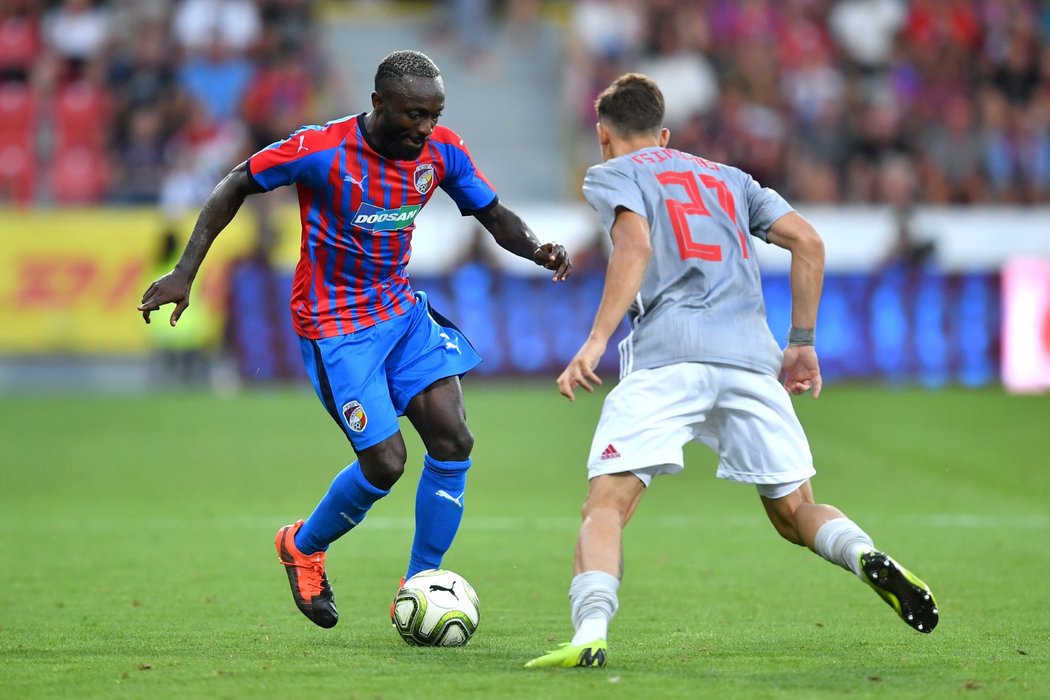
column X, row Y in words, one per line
column 400, row 65
column 632, row 105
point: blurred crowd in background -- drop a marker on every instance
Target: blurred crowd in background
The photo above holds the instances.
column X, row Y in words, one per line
column 938, row 101
column 858, row 101
column 147, row 101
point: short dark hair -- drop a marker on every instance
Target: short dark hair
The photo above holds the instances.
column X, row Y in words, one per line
column 632, row 104
column 400, row 64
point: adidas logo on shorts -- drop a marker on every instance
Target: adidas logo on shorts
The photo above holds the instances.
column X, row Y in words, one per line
column 610, row 453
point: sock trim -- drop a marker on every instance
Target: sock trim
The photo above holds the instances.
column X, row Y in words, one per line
column 367, row 486
column 449, row 468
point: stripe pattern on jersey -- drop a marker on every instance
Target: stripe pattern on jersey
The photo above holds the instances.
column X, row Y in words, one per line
column 357, row 210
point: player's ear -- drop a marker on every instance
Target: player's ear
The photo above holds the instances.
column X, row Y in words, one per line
column 377, row 101
column 603, row 134
column 665, row 136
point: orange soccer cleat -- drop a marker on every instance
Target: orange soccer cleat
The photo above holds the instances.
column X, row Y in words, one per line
column 310, row 590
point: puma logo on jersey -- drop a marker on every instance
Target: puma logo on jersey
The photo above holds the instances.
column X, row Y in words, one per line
column 301, row 146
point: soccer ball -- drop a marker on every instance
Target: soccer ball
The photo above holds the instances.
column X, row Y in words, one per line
column 436, row 608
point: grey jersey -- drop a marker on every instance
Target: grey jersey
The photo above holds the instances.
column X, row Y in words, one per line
column 701, row 297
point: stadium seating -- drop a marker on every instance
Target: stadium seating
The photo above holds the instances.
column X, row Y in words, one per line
column 81, row 116
column 17, row 144
column 79, row 175
column 18, row 167
column 19, row 45
column 17, row 111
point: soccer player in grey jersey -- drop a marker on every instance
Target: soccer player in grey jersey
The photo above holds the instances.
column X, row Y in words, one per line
column 700, row 362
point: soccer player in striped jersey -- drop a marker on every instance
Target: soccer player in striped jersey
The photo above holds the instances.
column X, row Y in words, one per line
column 700, row 362
column 373, row 348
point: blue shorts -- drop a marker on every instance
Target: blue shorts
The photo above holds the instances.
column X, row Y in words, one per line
column 366, row 379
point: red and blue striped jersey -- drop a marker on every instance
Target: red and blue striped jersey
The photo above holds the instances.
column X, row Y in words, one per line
column 358, row 211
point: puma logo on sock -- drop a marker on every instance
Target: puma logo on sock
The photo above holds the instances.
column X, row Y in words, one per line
column 458, row 500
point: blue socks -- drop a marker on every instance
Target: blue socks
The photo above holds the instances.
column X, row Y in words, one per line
column 439, row 510
column 342, row 508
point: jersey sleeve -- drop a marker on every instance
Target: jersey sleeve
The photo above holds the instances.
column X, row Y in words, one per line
column 464, row 183
column 764, row 206
column 605, row 188
column 301, row 158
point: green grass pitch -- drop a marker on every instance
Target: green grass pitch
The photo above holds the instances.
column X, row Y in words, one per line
column 138, row 559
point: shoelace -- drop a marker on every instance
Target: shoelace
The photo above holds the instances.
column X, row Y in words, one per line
column 312, row 572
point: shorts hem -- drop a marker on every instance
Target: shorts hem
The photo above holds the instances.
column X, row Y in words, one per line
column 597, row 469
column 370, row 443
column 777, row 478
column 416, row 387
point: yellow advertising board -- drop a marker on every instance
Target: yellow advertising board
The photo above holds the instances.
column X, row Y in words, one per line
column 70, row 279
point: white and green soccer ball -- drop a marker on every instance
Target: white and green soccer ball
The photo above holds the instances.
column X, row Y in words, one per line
column 436, row 608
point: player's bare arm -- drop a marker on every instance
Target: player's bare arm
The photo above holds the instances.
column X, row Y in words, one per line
column 800, row 370
column 514, row 235
column 218, row 211
column 623, row 279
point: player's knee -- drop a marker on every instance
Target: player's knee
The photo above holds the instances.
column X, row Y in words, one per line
column 383, row 474
column 384, row 464
column 607, row 505
column 789, row 531
column 596, row 511
column 453, row 445
column 784, row 522
column 782, row 503
column 606, row 513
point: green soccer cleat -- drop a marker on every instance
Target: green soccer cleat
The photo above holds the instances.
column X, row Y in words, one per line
column 569, row 655
column 901, row 589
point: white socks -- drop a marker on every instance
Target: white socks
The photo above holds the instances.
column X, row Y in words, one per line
column 592, row 597
column 593, row 594
column 841, row 542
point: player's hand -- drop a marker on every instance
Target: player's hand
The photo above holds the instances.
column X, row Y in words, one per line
column 800, row 370
column 172, row 288
column 580, row 372
column 554, row 257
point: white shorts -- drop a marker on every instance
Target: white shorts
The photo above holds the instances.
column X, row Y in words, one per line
column 746, row 417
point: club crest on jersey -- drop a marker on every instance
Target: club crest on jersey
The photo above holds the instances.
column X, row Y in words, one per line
column 356, row 418
column 424, row 177
column 372, row 218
